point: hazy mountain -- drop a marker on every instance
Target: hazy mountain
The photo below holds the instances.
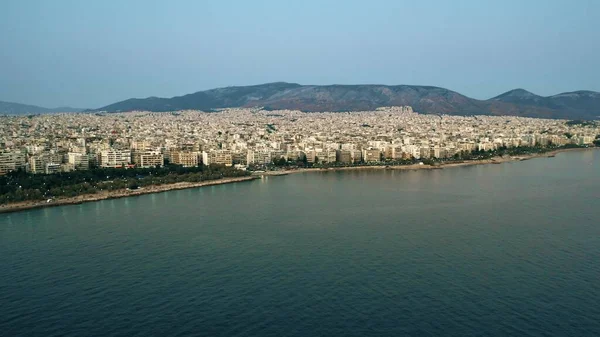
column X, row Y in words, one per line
column 423, row 99
column 9, row 108
column 577, row 104
column 368, row 97
column 581, row 100
column 206, row 100
column 518, row 96
column 282, row 95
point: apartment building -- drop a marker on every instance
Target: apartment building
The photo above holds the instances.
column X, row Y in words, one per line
column 343, row 156
column 78, row 161
column 147, row 159
column 11, row 161
column 217, row 157
column 114, row 158
column 184, row 158
column 371, row 155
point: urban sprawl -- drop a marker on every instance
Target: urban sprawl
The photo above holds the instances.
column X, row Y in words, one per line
column 255, row 138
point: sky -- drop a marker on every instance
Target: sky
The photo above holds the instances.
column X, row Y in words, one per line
column 89, row 53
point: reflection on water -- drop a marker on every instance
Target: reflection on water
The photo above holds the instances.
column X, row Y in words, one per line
column 490, row 250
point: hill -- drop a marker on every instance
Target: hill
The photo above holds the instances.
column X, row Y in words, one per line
column 423, row 99
column 9, row 108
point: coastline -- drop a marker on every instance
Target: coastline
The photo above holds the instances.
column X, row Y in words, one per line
column 104, row 195
column 494, row 160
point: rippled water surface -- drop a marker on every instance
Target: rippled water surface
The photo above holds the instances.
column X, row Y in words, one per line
column 494, row 250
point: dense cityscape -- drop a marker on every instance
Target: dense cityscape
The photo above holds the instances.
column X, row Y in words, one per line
column 91, row 156
column 45, row 144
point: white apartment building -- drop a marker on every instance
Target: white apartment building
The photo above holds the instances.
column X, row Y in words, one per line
column 78, row 161
column 218, row 157
column 148, row 159
column 11, row 161
column 258, row 157
column 114, row 158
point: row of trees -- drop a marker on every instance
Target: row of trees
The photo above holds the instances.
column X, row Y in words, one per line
column 21, row 186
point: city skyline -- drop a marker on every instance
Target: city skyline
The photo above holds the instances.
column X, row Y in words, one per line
column 245, row 137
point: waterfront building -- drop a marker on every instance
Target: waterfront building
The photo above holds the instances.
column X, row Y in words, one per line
column 78, row 161
column 37, row 164
column 328, row 156
column 217, row 157
column 311, row 156
column 371, row 155
column 148, row 159
column 11, row 161
column 52, row 168
column 184, row 158
column 258, row 157
column 294, row 155
column 356, row 156
column 114, row 158
column 344, row 156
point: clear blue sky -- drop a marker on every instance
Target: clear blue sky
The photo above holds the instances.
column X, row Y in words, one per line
column 87, row 53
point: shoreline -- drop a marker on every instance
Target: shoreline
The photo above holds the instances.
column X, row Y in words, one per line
column 117, row 194
column 494, row 160
column 104, row 195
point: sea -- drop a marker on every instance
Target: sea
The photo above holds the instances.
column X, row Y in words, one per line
column 489, row 250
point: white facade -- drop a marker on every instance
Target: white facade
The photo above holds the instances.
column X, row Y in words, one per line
column 114, row 158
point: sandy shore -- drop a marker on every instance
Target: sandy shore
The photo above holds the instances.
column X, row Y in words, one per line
column 20, row 206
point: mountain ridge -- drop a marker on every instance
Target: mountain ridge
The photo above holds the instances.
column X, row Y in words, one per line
column 581, row 104
column 12, row 108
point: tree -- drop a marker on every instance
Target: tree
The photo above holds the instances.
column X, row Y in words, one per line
column 279, row 161
column 19, row 185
